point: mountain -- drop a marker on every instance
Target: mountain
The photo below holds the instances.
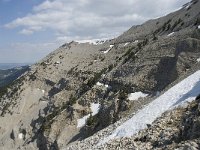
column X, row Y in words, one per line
column 9, row 75
column 81, row 95
column 6, row 66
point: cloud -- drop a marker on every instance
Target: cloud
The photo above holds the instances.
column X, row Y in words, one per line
column 91, row 18
column 22, row 52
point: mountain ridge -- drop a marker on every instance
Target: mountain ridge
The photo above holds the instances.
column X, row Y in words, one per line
column 47, row 102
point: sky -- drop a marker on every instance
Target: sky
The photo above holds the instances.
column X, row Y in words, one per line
column 30, row 29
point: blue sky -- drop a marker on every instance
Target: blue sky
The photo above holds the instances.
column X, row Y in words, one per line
column 30, row 29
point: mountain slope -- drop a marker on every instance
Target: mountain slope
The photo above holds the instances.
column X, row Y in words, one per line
column 126, row 135
column 48, row 102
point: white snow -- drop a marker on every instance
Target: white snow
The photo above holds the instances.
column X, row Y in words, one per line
column 94, row 108
column 57, row 62
column 99, row 84
column 94, row 41
column 136, row 95
column 198, row 26
column 103, row 75
column 43, row 91
column 136, row 41
column 20, row 136
column 184, row 91
column 198, row 60
column 107, row 51
column 186, row 6
column 171, row 34
column 106, row 85
column 126, row 43
column 81, row 122
column 111, row 46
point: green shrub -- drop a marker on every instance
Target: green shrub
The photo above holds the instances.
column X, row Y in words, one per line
column 96, row 77
column 110, row 67
column 168, row 27
column 139, row 45
column 197, row 22
column 176, row 23
column 72, row 100
column 91, row 121
column 32, row 77
column 155, row 37
column 122, row 95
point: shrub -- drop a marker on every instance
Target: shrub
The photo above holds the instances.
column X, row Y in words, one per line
column 72, row 100
column 96, row 77
column 128, row 51
column 122, row 95
column 154, row 37
column 91, row 121
column 176, row 23
column 110, row 67
column 197, row 22
column 32, row 77
column 168, row 27
column 139, row 45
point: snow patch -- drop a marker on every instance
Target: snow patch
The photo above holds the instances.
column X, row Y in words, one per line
column 171, row 34
column 184, row 91
column 106, row 85
column 126, row 43
column 198, row 26
column 82, row 121
column 94, row 108
column 198, row 60
column 103, row 75
column 136, row 95
column 43, row 91
column 57, row 62
column 136, row 41
column 20, row 135
column 111, row 46
column 99, row 84
column 94, row 41
column 187, row 5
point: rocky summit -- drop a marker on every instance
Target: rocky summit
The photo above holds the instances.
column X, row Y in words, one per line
column 82, row 95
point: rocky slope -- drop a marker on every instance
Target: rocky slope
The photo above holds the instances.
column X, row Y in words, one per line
column 48, row 104
column 176, row 129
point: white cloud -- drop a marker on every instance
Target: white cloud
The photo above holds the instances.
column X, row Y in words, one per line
column 91, row 18
column 26, row 32
column 26, row 52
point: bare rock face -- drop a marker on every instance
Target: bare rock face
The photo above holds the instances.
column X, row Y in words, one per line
column 47, row 103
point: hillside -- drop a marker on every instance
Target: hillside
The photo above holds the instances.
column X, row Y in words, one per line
column 92, row 88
